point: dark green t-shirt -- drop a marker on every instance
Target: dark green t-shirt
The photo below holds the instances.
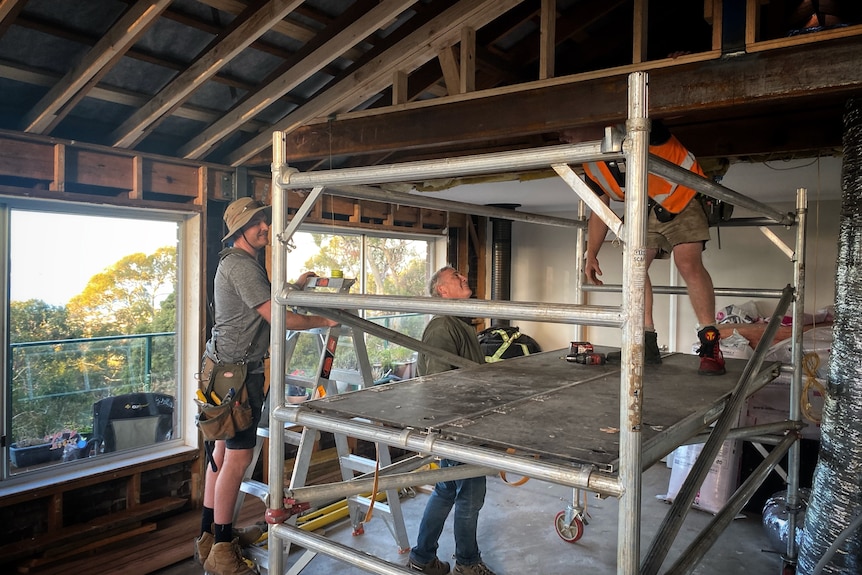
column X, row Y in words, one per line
column 450, row 334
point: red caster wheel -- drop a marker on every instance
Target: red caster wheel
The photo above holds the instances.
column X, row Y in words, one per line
column 568, row 532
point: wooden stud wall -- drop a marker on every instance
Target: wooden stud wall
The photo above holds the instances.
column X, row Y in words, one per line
column 44, row 167
column 47, row 168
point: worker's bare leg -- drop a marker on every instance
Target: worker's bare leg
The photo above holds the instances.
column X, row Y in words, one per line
column 649, row 322
column 701, row 293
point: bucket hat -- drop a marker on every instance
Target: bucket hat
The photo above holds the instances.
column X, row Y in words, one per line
column 239, row 213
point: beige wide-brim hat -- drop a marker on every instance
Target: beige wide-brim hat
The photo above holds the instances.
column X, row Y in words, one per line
column 239, row 213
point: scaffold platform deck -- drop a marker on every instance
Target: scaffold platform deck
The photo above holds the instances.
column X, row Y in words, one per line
column 541, row 404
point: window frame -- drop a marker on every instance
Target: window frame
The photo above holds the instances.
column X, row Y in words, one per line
column 189, row 310
column 436, row 245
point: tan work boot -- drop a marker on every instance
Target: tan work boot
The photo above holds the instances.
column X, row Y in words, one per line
column 227, row 559
column 247, row 536
column 203, row 544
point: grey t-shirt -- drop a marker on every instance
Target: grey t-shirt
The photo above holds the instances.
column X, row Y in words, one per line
column 241, row 284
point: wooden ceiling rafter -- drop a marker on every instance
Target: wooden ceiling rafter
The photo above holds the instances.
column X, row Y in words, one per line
column 594, row 45
column 118, row 96
column 407, row 54
column 684, row 92
column 135, row 53
column 9, row 11
column 239, row 35
column 61, row 98
column 333, row 46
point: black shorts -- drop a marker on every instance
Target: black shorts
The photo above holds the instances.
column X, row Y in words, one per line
column 248, row 438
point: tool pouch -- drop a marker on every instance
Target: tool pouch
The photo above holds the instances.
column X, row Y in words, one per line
column 717, row 211
column 661, row 214
column 222, row 413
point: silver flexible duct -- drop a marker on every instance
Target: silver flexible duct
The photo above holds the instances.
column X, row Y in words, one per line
column 501, row 262
column 836, row 495
column 775, row 521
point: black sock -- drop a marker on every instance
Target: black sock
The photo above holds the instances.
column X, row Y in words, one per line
column 223, row 533
column 207, row 520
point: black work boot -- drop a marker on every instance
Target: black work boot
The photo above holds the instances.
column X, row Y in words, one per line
column 652, row 355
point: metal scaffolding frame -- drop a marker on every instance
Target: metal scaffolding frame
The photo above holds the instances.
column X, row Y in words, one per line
column 626, row 483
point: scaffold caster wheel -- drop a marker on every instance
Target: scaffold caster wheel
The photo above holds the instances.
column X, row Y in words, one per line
column 569, row 532
column 359, row 531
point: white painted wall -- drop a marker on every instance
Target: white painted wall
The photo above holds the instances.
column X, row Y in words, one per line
column 543, row 264
column 543, row 256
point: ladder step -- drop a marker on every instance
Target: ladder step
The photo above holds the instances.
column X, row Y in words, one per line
column 364, row 502
column 255, row 488
column 292, row 433
column 347, row 376
column 299, row 381
column 358, row 463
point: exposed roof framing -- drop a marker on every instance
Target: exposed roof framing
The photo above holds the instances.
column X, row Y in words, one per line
column 360, row 82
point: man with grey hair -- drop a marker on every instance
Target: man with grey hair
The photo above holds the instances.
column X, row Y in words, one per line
column 457, row 336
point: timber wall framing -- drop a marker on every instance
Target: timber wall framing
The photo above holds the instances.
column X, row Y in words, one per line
column 43, row 168
column 48, row 168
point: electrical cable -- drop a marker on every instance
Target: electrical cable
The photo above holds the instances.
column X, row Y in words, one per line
column 810, row 364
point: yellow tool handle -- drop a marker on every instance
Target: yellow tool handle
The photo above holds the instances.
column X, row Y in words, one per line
column 203, row 398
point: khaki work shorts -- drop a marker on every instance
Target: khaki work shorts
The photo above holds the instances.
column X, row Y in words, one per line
column 690, row 225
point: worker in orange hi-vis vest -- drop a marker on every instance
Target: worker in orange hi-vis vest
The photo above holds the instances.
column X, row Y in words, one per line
column 677, row 224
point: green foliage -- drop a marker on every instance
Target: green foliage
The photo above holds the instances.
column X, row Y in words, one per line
column 55, row 384
column 394, row 266
column 124, row 298
column 165, row 318
column 35, row 320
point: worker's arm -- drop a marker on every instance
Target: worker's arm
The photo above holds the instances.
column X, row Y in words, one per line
column 295, row 321
column 597, row 229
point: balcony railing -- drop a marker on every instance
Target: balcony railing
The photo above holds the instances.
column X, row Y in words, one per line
column 56, row 383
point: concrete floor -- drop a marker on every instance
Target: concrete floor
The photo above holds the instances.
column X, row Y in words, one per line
column 517, row 535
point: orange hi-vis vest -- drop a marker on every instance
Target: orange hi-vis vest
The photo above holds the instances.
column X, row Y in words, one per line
column 672, row 197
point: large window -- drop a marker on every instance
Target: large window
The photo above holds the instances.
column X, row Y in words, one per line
column 91, row 333
column 381, row 266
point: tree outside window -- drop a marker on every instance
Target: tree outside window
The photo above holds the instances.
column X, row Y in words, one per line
column 390, row 266
column 116, row 336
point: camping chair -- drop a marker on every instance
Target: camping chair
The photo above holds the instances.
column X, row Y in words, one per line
column 132, row 420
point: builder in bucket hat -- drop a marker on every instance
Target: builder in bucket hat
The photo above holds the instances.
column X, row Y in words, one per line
column 241, row 294
column 240, row 212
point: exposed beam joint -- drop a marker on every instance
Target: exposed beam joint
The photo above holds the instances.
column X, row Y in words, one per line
column 547, row 38
column 468, row 60
column 54, row 106
column 710, row 88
